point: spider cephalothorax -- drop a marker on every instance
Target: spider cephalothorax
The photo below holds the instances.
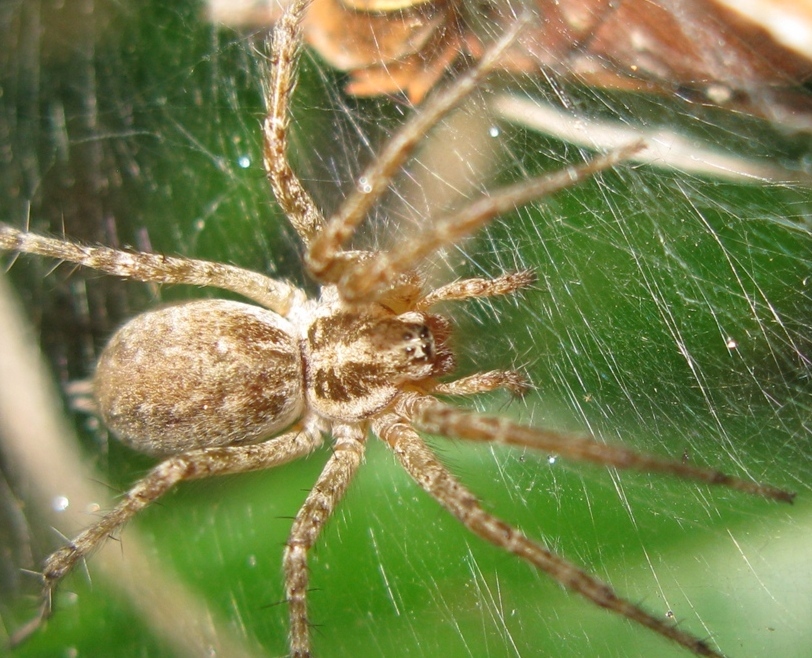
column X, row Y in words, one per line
column 358, row 359
column 217, row 387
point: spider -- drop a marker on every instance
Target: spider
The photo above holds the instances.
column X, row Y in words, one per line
column 214, row 387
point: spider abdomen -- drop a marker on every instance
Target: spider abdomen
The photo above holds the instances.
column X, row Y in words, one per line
column 200, row 374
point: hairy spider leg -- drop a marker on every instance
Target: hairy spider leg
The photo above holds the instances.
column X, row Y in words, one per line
column 421, row 464
column 372, row 277
column 348, row 446
column 156, row 268
column 433, row 417
column 290, row 194
column 323, row 257
column 192, row 465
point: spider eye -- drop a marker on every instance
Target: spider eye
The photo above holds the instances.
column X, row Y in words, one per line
column 419, row 344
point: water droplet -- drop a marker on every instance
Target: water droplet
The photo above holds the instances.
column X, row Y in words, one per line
column 731, row 343
column 60, row 503
column 494, row 131
column 551, row 459
column 244, row 161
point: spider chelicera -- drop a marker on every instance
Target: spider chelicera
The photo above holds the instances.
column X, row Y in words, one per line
column 215, row 387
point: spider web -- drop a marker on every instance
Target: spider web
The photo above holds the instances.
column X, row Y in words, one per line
column 672, row 313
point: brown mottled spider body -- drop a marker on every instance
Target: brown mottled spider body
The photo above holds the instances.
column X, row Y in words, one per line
column 219, row 387
column 213, row 372
column 200, row 375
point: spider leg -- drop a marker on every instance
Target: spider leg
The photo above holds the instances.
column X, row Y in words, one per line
column 434, row 417
column 482, row 382
column 348, row 451
column 192, row 465
column 438, row 482
column 285, row 48
column 156, row 268
column 506, row 284
column 375, row 274
column 322, row 257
